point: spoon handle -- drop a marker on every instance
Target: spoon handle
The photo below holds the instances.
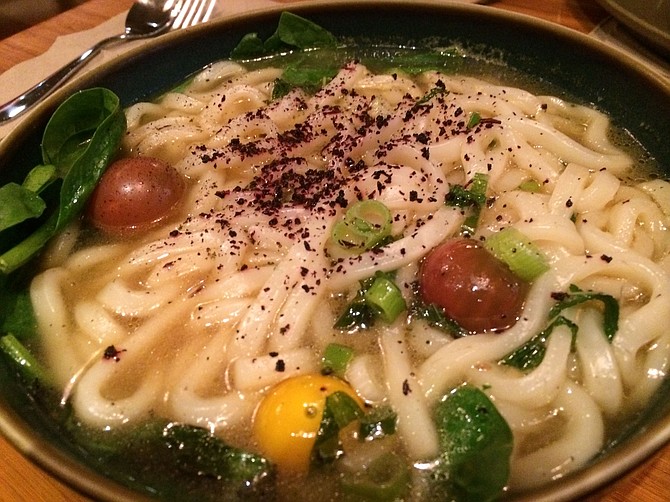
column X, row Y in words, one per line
column 21, row 104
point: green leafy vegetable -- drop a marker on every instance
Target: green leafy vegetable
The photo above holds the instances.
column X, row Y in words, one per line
column 476, row 446
column 293, row 32
column 340, row 410
column 186, row 453
column 576, row 296
column 78, row 143
column 16, row 312
column 199, row 451
column 22, row 360
column 307, row 72
column 302, row 75
column 320, row 62
column 415, row 62
column 19, row 205
column 378, row 423
column 472, row 196
column 40, row 177
column 434, row 316
column 249, row 47
column 531, row 354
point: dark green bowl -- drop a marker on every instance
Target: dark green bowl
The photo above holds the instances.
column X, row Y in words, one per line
column 558, row 57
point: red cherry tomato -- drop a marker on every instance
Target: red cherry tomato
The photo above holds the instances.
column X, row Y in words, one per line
column 133, row 194
column 473, row 287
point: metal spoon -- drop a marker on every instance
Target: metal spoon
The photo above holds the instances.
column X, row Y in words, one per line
column 146, row 18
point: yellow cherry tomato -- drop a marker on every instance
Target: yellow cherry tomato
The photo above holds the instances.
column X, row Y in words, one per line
column 287, row 420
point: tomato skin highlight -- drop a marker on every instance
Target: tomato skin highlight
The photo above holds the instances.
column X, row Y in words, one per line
column 471, row 286
column 133, row 194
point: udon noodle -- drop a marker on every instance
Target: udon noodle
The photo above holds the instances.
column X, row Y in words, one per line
column 203, row 307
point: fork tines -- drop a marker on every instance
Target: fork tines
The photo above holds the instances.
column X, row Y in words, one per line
column 191, row 12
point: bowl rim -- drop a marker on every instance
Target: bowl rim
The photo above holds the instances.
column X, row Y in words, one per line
column 620, row 460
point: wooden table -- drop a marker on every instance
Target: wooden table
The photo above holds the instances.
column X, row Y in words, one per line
column 22, row 481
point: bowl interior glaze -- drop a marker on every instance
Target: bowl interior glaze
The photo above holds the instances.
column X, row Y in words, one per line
column 557, row 57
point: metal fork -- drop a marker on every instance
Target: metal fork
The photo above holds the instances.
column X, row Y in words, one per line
column 145, row 19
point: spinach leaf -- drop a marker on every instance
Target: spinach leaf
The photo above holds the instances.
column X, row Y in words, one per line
column 17, row 314
column 25, row 363
column 576, row 296
column 434, row 316
column 197, row 450
column 18, row 205
column 297, row 32
column 476, row 446
column 250, row 46
column 415, row 62
column 293, row 32
column 339, row 411
column 379, row 422
column 531, row 354
column 79, row 141
column 473, row 196
column 40, row 177
column 167, row 457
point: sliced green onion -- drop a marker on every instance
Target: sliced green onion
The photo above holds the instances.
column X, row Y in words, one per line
column 386, row 478
column 385, row 298
column 531, row 186
column 365, row 224
column 378, row 296
column 27, row 365
column 518, row 252
column 336, row 358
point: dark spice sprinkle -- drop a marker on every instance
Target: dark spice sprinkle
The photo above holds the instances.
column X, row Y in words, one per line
column 285, row 179
column 112, row 352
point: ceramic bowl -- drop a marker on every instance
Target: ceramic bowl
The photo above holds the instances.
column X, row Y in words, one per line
column 589, row 71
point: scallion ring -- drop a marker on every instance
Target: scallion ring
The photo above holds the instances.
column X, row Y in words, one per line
column 518, row 252
column 365, row 224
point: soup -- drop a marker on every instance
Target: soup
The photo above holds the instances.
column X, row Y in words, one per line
column 363, row 291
